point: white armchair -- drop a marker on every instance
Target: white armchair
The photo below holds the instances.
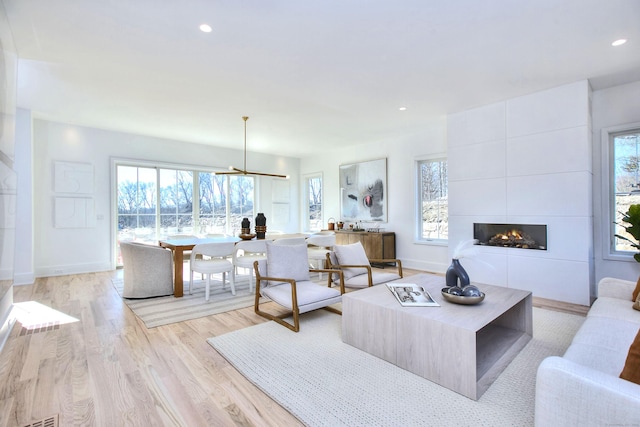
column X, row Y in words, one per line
column 148, row 270
column 353, row 262
column 284, row 278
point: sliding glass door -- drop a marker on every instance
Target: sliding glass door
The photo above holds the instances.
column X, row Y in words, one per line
column 157, row 202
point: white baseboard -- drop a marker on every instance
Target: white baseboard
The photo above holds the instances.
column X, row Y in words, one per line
column 6, row 317
column 5, row 331
column 431, row 267
column 63, row 270
column 24, row 279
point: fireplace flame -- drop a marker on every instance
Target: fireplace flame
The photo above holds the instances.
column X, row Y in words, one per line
column 512, row 238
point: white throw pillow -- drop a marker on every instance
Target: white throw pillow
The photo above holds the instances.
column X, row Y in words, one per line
column 287, row 262
column 352, row 254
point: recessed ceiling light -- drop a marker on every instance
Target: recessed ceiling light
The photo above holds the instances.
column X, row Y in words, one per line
column 402, row 108
column 205, row 28
column 619, row 42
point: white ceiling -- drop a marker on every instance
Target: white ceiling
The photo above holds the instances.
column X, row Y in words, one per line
column 312, row 76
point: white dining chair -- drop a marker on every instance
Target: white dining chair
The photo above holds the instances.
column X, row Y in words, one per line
column 246, row 252
column 289, row 241
column 318, row 246
column 214, row 259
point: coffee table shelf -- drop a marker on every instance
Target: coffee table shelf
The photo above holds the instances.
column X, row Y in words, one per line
column 463, row 348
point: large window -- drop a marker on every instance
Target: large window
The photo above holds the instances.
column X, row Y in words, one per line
column 156, row 202
column 176, row 200
column 313, row 199
column 433, row 218
column 223, row 202
column 625, row 182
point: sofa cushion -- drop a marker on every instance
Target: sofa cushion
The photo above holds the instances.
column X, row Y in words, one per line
column 631, row 370
column 599, row 341
column 636, row 305
column 614, row 308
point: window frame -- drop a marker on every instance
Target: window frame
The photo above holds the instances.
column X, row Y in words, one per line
column 608, row 202
column 418, row 239
column 158, row 166
column 305, row 197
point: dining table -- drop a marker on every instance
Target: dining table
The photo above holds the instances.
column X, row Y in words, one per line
column 179, row 246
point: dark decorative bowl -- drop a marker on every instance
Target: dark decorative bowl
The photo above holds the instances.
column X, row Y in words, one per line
column 247, row 236
column 459, row 299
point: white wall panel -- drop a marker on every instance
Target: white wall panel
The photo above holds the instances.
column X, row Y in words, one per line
column 566, row 150
column 568, row 238
column 477, row 161
column 486, row 123
column 477, row 197
column 550, row 278
column 488, row 266
column 558, row 108
column 560, row 194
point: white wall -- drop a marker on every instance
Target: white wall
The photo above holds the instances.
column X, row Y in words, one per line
column 59, row 251
column 23, row 265
column 612, row 107
column 401, row 155
column 526, row 160
column 8, row 176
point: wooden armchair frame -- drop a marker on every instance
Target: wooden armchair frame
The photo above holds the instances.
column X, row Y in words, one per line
column 330, row 265
column 295, row 311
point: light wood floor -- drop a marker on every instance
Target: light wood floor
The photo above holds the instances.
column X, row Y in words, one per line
column 108, row 369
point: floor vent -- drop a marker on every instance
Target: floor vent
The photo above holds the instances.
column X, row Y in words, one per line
column 36, row 328
column 45, row 422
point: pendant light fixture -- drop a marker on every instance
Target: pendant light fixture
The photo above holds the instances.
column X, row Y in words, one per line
column 244, row 171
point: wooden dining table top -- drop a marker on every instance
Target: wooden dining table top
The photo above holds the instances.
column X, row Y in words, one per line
column 189, row 243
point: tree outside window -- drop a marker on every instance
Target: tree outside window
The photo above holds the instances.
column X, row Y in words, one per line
column 626, row 181
column 313, row 189
column 433, row 204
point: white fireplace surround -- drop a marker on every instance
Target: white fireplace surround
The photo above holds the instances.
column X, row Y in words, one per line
column 539, row 149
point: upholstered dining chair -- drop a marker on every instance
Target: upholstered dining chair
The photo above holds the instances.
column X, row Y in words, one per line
column 353, row 262
column 147, row 270
column 318, row 246
column 212, row 258
column 284, row 279
column 289, row 241
column 246, row 252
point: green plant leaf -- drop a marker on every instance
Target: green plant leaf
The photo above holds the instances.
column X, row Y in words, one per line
column 632, row 218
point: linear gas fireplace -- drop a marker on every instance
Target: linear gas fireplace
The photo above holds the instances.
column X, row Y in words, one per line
column 521, row 236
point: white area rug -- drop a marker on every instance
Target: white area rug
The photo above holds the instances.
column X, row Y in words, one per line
column 324, row 382
column 165, row 310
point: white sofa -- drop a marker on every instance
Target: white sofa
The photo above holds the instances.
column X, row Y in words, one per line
column 584, row 388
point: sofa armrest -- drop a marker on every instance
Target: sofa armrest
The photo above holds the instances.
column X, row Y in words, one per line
column 571, row 394
column 616, row 288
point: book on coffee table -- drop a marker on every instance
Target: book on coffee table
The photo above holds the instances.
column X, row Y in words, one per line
column 412, row 295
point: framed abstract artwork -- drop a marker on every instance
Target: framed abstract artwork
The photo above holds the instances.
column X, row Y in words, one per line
column 363, row 188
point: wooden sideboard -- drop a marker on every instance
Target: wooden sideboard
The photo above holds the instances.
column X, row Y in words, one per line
column 380, row 245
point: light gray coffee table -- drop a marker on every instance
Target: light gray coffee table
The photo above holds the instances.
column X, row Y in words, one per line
column 461, row 347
